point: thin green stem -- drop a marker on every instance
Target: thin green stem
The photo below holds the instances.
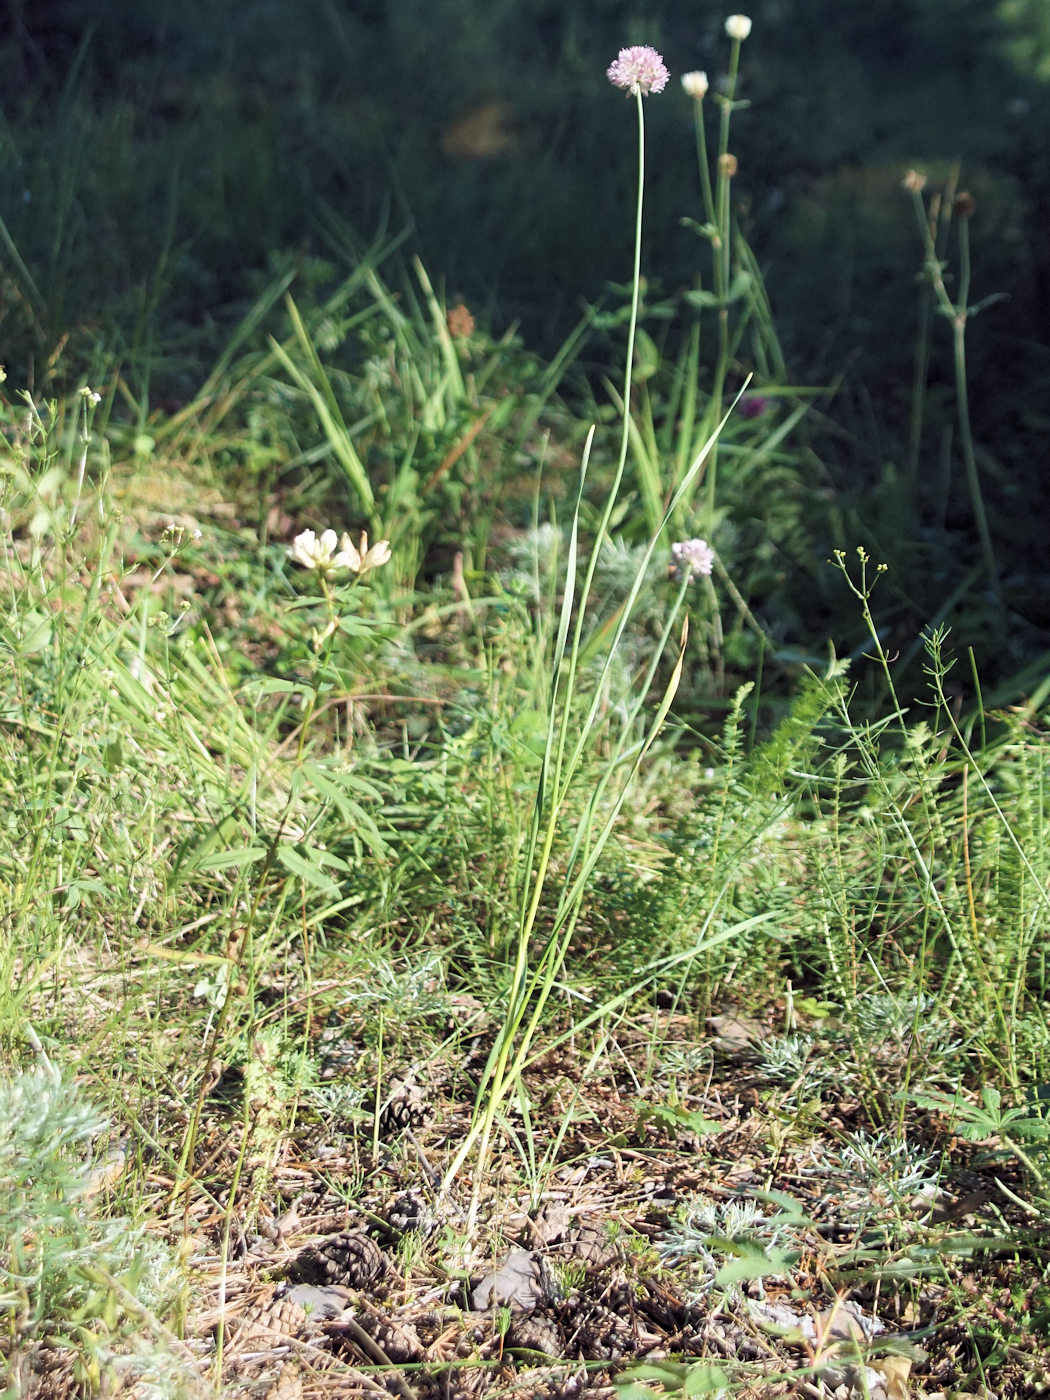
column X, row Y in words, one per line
column 973, row 478
column 498, row 1078
column 956, row 314
column 702, row 162
column 722, row 263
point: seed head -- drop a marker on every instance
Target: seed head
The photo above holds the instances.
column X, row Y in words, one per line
column 738, row 26
column 639, row 69
column 696, row 85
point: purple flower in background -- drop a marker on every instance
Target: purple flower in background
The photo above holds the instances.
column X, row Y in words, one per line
column 696, row 555
column 753, row 406
column 639, row 69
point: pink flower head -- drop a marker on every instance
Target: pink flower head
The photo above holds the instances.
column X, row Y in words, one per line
column 639, row 69
column 695, row 555
column 753, row 405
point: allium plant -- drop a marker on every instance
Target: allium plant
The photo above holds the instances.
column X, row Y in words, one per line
column 539, row 958
column 695, row 85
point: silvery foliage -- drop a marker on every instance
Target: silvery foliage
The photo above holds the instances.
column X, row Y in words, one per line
column 701, row 1223
column 799, row 1062
column 61, row 1259
column 892, row 1166
column 885, row 1017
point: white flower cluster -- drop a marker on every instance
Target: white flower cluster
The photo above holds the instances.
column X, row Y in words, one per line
column 696, row 555
column 329, row 553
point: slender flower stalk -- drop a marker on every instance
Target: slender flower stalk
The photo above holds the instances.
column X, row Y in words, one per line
column 639, row 71
column 718, row 225
column 957, row 313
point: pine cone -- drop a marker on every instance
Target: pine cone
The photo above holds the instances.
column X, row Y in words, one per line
column 399, row 1340
column 409, row 1211
column 592, row 1245
column 288, row 1385
column 468, row 1383
column 601, row 1335
column 268, row 1322
column 405, row 1107
column 350, row 1259
column 537, row 1332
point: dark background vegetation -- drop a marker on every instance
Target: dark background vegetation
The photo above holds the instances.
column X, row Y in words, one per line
column 159, row 161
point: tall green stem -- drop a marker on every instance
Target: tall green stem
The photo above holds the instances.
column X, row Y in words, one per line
column 956, row 313
column 499, row 1076
column 722, row 264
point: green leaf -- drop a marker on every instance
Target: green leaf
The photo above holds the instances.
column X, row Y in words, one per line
column 703, row 1380
column 702, row 298
column 306, row 868
column 36, row 632
column 225, row 860
column 1034, row 1129
column 754, row 1263
column 273, row 685
column 991, row 1098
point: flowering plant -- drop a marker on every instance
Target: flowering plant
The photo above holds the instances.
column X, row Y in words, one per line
column 639, row 69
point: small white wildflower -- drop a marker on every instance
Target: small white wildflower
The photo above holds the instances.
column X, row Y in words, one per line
column 362, row 559
column 331, row 552
column 696, row 555
column 197, row 535
column 319, row 554
column 90, row 395
column 696, row 85
column 738, row 26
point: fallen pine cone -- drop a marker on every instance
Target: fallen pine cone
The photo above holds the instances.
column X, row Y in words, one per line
column 288, row 1385
column 349, row 1258
column 405, row 1107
